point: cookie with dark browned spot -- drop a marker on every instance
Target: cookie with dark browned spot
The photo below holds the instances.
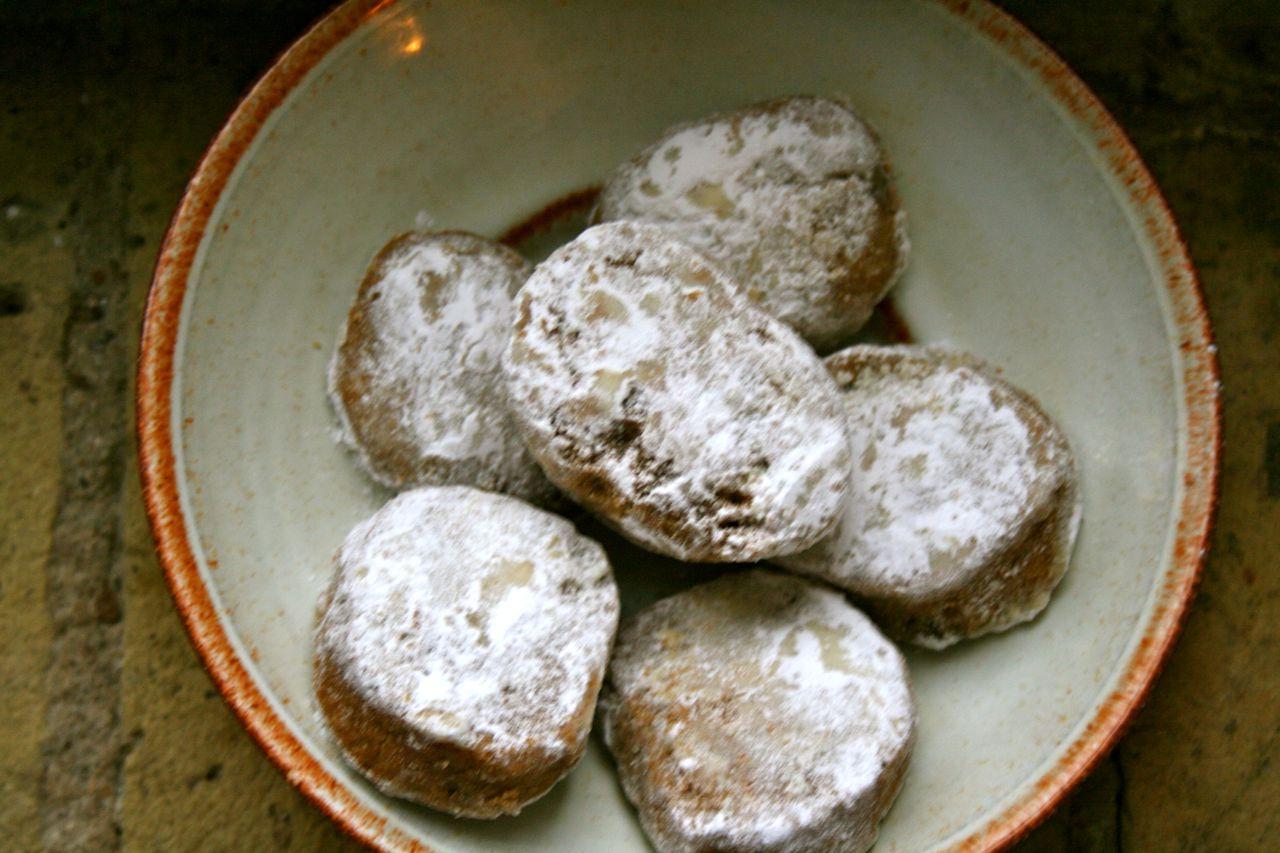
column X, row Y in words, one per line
column 656, row 395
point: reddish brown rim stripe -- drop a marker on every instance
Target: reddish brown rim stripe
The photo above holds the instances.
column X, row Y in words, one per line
column 1203, row 413
column 156, row 439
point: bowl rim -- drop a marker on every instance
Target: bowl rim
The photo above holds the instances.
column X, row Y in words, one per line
column 1196, row 355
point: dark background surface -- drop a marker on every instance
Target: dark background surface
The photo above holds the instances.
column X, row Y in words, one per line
column 110, row 732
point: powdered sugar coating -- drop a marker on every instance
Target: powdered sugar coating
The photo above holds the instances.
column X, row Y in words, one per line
column 415, row 378
column 758, row 712
column 651, row 391
column 953, row 471
column 791, row 197
column 472, row 619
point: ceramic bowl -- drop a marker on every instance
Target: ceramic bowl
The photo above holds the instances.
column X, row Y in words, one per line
column 1040, row 243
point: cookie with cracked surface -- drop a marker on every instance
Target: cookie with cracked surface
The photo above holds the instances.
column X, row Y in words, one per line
column 652, row 392
column 758, row 712
column 415, row 378
column 963, row 504
column 461, row 646
column 792, row 197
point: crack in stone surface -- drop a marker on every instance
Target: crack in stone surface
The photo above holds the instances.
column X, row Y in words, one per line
column 1122, row 805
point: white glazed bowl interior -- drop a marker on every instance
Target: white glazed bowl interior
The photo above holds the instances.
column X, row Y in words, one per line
column 1026, row 251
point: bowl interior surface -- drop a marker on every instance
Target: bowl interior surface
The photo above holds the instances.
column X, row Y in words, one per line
column 1026, row 251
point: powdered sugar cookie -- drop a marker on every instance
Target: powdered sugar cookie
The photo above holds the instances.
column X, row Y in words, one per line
column 652, row 392
column 963, row 503
column 758, row 712
column 415, row 378
column 792, row 197
column 461, row 647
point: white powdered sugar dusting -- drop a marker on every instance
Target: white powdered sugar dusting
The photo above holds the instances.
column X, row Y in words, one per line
column 474, row 618
column 797, row 717
column 416, row 378
column 946, row 470
column 636, row 364
column 788, row 197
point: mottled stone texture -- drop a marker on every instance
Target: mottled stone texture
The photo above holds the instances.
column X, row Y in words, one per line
column 110, row 732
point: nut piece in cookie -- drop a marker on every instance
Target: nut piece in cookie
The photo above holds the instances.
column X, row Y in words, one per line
column 461, row 646
column 758, row 712
column 651, row 391
column 964, row 504
column 416, row 379
column 792, row 197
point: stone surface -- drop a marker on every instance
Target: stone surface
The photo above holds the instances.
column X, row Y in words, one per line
column 35, row 274
column 111, row 734
column 94, row 152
